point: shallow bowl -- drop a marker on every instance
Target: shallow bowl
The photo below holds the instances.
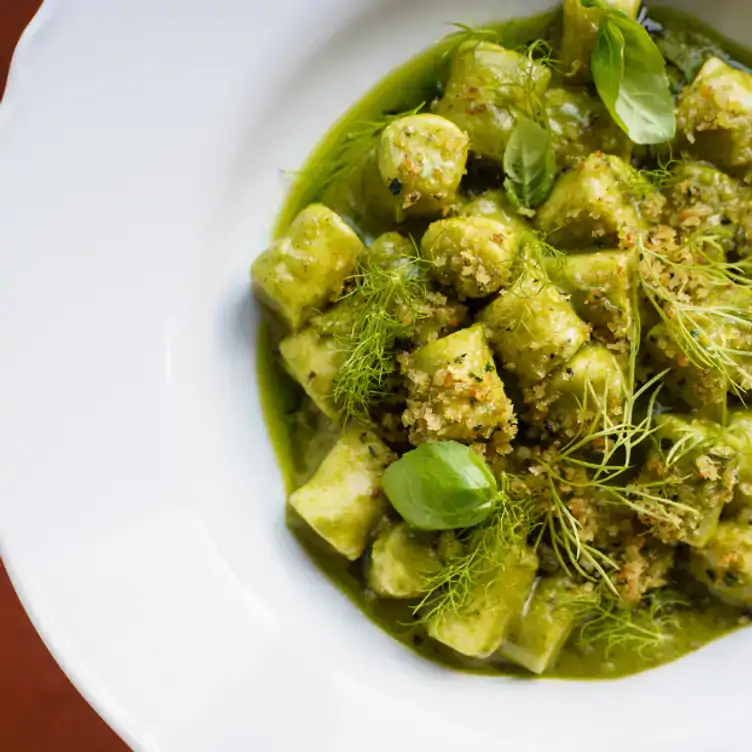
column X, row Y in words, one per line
column 142, row 151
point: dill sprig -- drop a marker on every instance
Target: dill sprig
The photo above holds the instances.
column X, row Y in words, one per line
column 613, row 442
column 543, row 52
column 521, row 93
column 537, row 248
column 706, row 331
column 664, row 173
column 691, row 438
column 641, row 629
column 533, row 99
column 387, row 299
column 564, row 531
column 468, row 35
column 593, row 465
column 483, row 556
column 352, row 152
column 529, row 275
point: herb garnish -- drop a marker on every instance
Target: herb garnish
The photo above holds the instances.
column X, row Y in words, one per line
column 705, row 332
column 630, row 76
column 471, row 35
column 441, row 486
column 388, row 299
column 352, row 153
column 641, row 629
column 592, row 465
column 530, row 165
column 481, row 555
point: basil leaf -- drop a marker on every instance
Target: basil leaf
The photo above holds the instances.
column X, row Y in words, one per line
column 608, row 59
column 529, row 164
column 441, row 486
column 630, row 75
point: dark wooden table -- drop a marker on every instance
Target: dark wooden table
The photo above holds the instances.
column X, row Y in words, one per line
column 40, row 711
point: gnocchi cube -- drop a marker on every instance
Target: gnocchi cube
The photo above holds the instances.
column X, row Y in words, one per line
column 454, row 391
column 443, row 316
column 343, row 500
column 690, row 379
column 533, row 328
column 724, row 565
column 313, row 359
column 693, row 466
column 580, row 124
column 644, row 565
column 494, row 204
column 600, row 288
column 401, row 559
column 392, row 249
column 740, row 426
column 421, row 161
column 685, row 380
column 487, row 85
column 714, row 116
column 596, row 203
column 438, row 315
column 305, row 269
column 702, row 197
column 554, row 610
column 479, row 627
column 580, row 27
column 577, row 396
column 475, row 255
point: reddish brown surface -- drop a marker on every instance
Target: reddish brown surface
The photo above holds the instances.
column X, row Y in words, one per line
column 40, row 711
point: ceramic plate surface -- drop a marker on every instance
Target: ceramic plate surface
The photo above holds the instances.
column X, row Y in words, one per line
column 141, row 509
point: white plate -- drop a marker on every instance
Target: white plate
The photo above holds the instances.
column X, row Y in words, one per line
column 142, row 511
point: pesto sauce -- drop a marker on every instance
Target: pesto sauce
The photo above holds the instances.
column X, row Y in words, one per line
column 301, row 435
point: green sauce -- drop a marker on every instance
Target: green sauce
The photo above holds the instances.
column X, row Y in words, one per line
column 301, row 436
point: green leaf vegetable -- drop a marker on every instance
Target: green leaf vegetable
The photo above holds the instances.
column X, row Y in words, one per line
column 530, row 165
column 441, row 486
column 630, row 76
